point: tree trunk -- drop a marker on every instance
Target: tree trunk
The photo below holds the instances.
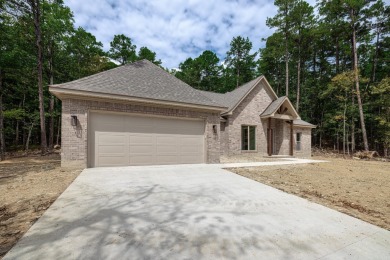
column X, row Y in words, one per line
column 344, row 119
column 51, row 123
column 298, row 81
column 35, row 6
column 353, row 142
column 58, row 130
column 356, row 70
column 51, row 107
column 28, row 137
column 337, row 55
column 376, row 54
column 2, row 139
column 17, row 133
column 286, row 60
column 238, row 77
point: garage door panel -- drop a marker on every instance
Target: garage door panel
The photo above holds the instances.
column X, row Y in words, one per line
column 141, row 160
column 144, row 140
column 191, row 159
column 111, row 138
column 112, row 160
column 167, row 149
column 191, row 149
column 166, row 139
column 168, row 159
column 112, row 149
column 147, row 149
column 141, row 139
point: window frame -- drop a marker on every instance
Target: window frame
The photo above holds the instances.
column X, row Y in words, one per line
column 248, row 135
column 298, row 146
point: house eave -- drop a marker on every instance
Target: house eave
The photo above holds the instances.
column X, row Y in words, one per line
column 87, row 95
column 262, row 78
column 305, row 126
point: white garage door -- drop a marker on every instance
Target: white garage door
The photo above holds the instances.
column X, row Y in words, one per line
column 121, row 140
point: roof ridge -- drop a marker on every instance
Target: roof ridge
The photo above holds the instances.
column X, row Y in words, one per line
column 142, row 79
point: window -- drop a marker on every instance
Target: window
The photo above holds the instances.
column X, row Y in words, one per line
column 248, row 138
column 299, row 138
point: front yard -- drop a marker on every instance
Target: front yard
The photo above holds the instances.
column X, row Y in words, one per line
column 28, row 186
column 356, row 187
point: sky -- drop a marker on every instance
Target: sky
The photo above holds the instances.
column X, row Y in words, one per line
column 176, row 29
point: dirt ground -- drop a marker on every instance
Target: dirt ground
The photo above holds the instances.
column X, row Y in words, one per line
column 28, row 186
column 358, row 188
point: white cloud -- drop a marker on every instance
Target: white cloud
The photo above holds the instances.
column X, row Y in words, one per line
column 176, row 29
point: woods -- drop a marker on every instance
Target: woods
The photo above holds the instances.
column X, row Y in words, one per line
column 332, row 60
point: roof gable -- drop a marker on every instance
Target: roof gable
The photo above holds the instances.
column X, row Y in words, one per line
column 234, row 98
column 281, row 106
column 141, row 79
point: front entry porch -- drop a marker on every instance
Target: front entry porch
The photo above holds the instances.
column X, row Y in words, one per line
column 280, row 138
column 280, row 116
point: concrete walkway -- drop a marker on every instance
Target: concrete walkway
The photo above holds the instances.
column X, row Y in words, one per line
column 192, row 212
column 281, row 161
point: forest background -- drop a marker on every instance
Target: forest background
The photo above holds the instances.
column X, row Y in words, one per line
column 332, row 60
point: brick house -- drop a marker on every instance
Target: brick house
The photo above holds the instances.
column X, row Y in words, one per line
column 138, row 114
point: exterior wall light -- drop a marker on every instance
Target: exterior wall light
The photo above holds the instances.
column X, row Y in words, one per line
column 73, row 120
column 214, row 129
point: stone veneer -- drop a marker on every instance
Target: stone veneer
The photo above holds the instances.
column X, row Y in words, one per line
column 74, row 139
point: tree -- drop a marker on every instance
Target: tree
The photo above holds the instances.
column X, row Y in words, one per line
column 282, row 21
column 57, row 24
column 271, row 61
column 356, row 10
column 340, row 88
column 145, row 53
column 303, row 21
column 381, row 27
column 382, row 100
column 240, row 60
column 208, row 64
column 188, row 72
column 122, row 49
column 31, row 9
column 84, row 55
column 202, row 72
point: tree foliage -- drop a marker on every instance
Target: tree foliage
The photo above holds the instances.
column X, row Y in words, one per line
column 332, row 60
column 122, row 49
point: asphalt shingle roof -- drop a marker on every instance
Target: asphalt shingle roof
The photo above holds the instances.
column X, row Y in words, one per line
column 231, row 99
column 141, row 79
column 273, row 106
column 300, row 122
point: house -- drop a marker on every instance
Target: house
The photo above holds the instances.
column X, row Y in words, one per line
column 138, row 114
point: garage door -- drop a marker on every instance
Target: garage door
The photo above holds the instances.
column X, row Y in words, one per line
column 121, row 140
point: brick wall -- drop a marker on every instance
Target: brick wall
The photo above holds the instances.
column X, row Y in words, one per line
column 74, row 139
column 248, row 113
column 305, row 151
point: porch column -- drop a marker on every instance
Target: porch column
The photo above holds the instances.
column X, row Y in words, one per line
column 269, row 138
column 291, row 138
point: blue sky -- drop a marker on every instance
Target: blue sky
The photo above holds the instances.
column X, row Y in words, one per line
column 176, row 29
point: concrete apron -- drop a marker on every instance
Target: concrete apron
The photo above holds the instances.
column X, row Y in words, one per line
column 192, row 212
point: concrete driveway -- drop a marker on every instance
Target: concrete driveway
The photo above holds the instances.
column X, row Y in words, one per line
column 192, row 212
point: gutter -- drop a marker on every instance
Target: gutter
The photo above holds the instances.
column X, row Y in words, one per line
column 88, row 95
